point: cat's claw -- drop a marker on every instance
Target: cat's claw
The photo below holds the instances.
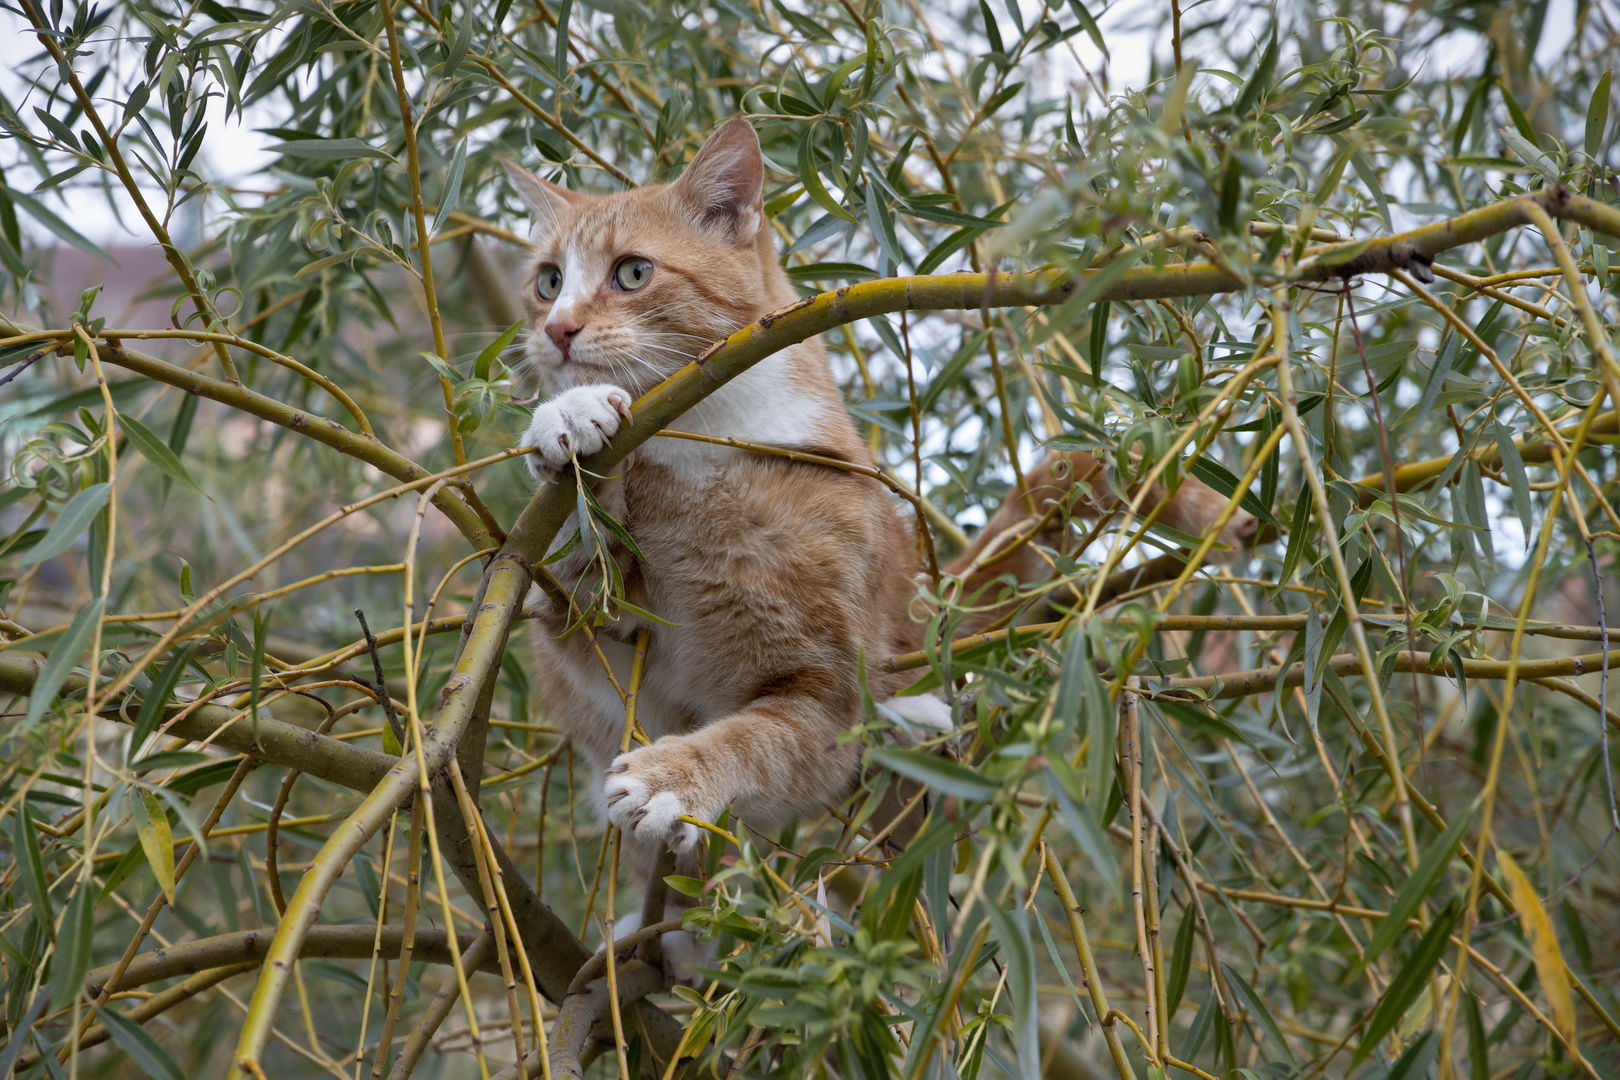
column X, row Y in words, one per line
column 578, row 421
column 643, row 801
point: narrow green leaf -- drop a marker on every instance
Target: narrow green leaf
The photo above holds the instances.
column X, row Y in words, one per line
column 441, row 367
column 1254, row 90
column 46, row 217
column 1324, row 191
column 452, row 188
column 1518, row 480
column 882, row 225
column 461, row 43
column 1017, row 15
column 1092, row 30
column 560, row 57
column 1577, row 935
column 1414, row 1062
column 1012, row 930
column 946, row 777
column 152, row 827
column 832, row 271
column 1083, row 824
column 486, row 358
column 1369, row 176
column 1521, row 122
column 991, row 30
column 73, row 520
column 22, row 1026
column 1082, row 704
column 1202, row 1021
column 1004, row 95
column 157, row 699
column 1408, row 983
column 1099, row 339
column 811, row 178
column 1417, row 888
column 1476, row 99
column 944, row 215
column 1479, row 1051
column 936, row 835
column 328, row 149
column 1431, row 389
column 156, row 451
column 1175, row 101
column 1526, row 150
column 947, row 247
column 69, row 647
column 1262, row 1014
column 73, row 948
column 948, row 373
column 1181, row 960
column 144, row 1050
column 31, row 868
column 1597, row 115
column 168, row 759
column 1225, row 481
column 1057, row 962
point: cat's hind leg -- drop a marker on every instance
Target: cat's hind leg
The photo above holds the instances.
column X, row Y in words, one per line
column 774, row 761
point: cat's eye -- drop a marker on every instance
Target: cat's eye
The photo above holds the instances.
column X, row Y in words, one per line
column 632, row 273
column 549, row 283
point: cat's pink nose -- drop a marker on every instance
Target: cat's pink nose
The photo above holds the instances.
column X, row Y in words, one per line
column 561, row 332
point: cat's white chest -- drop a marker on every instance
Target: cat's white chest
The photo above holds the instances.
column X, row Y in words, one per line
column 762, row 405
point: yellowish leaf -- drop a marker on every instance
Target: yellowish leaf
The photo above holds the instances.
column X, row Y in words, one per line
column 152, row 824
column 1538, row 931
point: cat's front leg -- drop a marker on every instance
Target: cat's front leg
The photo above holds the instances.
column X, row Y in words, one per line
column 773, row 762
column 576, row 422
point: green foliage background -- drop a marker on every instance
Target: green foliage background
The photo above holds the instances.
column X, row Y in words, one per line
column 1267, row 853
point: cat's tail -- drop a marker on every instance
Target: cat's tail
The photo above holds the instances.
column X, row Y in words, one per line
column 1019, row 538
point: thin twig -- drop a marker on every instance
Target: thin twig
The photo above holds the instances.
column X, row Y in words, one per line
column 381, row 683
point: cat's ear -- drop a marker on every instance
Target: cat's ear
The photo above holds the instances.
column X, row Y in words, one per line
column 546, row 199
column 723, row 186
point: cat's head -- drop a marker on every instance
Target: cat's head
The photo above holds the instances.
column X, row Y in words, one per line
column 626, row 288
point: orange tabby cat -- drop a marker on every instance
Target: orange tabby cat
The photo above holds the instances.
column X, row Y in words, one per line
column 776, row 575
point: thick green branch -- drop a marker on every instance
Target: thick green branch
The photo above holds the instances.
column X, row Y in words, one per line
column 278, row 743
column 329, row 432
column 1239, row 684
column 506, row 581
column 225, row 950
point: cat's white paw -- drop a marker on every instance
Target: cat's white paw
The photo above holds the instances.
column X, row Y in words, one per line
column 647, row 801
column 924, row 711
column 578, row 421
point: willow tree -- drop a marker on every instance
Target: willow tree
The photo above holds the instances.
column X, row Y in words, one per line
column 1337, row 804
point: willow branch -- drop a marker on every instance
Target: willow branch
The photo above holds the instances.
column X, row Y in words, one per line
column 153, row 1006
column 360, row 446
column 278, row 743
column 1237, row 684
column 506, row 581
column 578, row 1017
column 109, row 142
column 253, row 946
column 438, row 1010
column 245, row 344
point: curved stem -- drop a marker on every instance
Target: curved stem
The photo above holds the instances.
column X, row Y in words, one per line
column 413, row 169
